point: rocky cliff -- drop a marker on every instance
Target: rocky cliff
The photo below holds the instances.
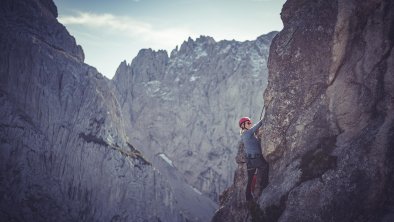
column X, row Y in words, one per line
column 65, row 154
column 328, row 131
column 187, row 104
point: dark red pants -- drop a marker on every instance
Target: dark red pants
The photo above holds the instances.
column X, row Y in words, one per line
column 251, row 183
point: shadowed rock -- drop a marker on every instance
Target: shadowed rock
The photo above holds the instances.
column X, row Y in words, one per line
column 64, row 152
column 328, row 127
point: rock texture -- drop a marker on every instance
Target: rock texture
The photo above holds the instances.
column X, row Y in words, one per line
column 328, row 129
column 187, row 105
column 65, row 154
column 233, row 200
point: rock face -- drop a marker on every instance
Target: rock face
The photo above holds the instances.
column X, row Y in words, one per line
column 233, row 200
column 328, row 129
column 65, row 154
column 187, row 105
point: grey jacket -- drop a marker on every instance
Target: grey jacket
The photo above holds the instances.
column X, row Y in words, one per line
column 252, row 145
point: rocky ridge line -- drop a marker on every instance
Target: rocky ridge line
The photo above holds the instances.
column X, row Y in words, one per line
column 187, row 104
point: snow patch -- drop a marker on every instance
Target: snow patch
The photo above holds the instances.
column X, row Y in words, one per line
column 197, row 191
column 156, row 89
column 225, row 50
column 200, row 52
column 194, row 78
column 153, row 87
column 165, row 158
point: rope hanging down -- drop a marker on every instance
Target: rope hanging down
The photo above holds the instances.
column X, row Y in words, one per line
column 262, row 112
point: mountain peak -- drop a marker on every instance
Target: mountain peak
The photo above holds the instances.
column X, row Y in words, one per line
column 205, row 39
column 190, row 44
column 151, row 52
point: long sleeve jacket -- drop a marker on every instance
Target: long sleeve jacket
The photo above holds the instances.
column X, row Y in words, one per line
column 252, row 145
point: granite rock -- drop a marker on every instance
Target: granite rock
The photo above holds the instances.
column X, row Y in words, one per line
column 187, row 104
column 65, row 153
column 328, row 127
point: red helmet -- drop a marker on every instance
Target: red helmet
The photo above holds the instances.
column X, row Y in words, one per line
column 244, row 119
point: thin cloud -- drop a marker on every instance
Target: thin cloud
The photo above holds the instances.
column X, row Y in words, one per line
column 123, row 25
column 109, row 21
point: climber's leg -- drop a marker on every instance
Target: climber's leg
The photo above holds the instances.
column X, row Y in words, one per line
column 251, row 173
column 261, row 181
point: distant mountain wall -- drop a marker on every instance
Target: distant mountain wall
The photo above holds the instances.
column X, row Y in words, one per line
column 328, row 131
column 187, row 104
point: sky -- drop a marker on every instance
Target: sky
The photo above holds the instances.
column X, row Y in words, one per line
column 113, row 31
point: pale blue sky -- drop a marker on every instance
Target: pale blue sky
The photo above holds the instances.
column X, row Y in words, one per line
column 113, row 31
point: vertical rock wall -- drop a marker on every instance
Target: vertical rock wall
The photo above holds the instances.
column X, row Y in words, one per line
column 328, row 128
column 64, row 152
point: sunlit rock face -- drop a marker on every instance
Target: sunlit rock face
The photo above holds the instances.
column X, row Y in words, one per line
column 65, row 154
column 187, row 104
column 328, row 131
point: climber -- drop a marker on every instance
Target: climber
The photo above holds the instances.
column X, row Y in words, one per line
column 257, row 166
